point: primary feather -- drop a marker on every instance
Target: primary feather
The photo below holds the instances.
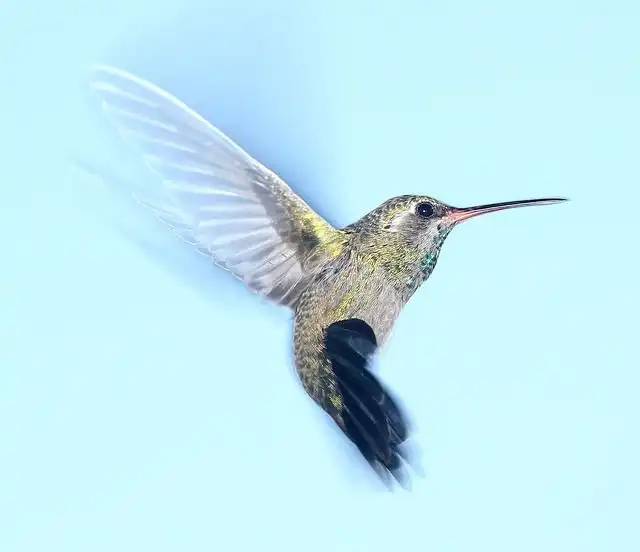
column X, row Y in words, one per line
column 213, row 194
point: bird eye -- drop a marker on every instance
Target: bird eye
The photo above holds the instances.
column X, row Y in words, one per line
column 425, row 210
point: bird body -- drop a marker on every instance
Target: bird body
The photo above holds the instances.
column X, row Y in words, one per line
column 371, row 279
column 346, row 287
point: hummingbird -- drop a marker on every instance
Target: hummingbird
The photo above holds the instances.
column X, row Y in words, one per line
column 345, row 286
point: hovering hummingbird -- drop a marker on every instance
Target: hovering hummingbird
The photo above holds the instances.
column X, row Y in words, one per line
column 346, row 287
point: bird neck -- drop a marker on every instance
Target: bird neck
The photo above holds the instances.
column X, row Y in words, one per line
column 406, row 265
column 422, row 271
column 425, row 262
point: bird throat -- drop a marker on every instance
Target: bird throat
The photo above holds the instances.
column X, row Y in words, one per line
column 429, row 263
column 426, row 264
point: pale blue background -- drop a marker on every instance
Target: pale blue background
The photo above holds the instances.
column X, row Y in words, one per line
column 148, row 403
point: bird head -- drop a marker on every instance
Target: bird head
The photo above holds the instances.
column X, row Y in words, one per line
column 420, row 224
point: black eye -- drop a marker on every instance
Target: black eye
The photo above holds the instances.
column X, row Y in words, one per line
column 425, row 210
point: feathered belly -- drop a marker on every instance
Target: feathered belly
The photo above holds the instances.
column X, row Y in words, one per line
column 365, row 294
column 330, row 298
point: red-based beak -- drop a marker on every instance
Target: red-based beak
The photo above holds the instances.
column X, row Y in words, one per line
column 458, row 215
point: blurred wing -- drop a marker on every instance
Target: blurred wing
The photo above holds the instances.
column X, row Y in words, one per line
column 213, row 194
column 372, row 418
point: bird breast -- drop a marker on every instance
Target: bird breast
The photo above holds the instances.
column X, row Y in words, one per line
column 350, row 290
column 339, row 292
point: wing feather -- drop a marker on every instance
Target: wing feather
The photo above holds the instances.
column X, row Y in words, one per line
column 372, row 417
column 213, row 194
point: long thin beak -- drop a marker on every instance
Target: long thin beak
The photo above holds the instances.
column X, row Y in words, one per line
column 459, row 215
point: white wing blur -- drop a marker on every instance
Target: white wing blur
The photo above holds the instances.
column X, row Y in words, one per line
column 213, row 194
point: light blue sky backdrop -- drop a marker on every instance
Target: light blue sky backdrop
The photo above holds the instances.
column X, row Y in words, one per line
column 149, row 403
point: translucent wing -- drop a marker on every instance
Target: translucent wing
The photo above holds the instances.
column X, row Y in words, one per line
column 216, row 196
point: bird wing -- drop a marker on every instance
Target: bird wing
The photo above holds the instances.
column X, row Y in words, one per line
column 371, row 416
column 213, row 194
